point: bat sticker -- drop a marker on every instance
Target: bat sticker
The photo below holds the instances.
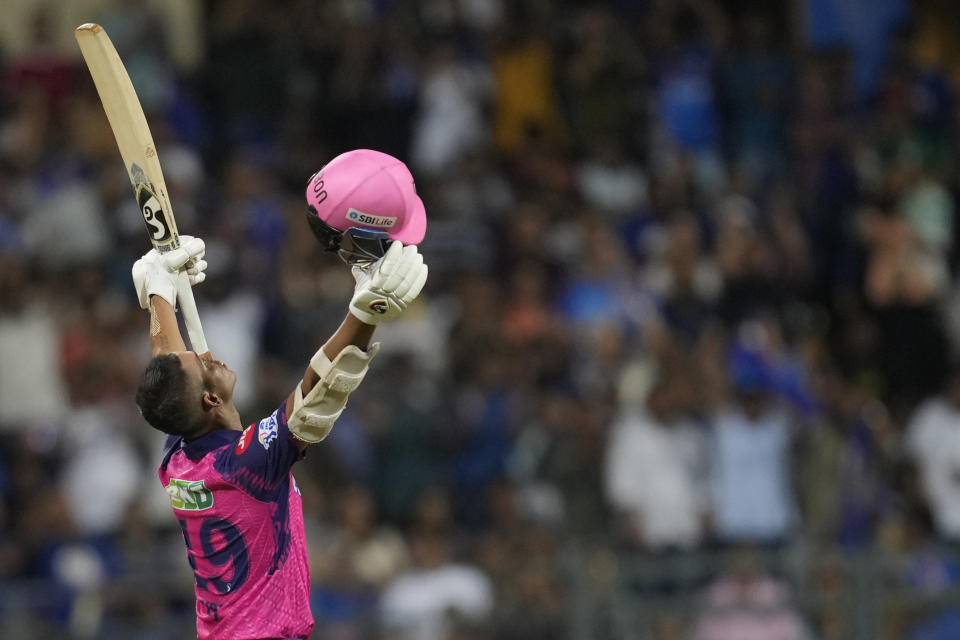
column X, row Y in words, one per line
column 149, row 200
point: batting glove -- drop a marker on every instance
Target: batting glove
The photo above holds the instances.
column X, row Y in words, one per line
column 188, row 257
column 155, row 274
column 388, row 286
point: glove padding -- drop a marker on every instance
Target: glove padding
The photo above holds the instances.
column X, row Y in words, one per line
column 388, row 286
column 155, row 274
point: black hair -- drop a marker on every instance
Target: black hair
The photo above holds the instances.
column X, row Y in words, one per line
column 164, row 397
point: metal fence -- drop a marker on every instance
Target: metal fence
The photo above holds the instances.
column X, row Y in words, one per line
column 832, row 595
column 610, row 595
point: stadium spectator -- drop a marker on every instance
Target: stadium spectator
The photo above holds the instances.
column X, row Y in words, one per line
column 449, row 123
column 654, row 469
column 350, row 562
column 932, row 428
column 846, row 461
column 423, row 602
column 746, row 603
column 752, row 494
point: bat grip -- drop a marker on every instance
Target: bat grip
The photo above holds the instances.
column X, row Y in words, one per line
column 190, row 316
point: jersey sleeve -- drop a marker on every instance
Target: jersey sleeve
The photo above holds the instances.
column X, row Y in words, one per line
column 260, row 462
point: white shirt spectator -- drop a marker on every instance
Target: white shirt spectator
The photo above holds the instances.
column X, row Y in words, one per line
column 751, row 492
column 933, row 442
column 102, row 474
column 415, row 605
column 619, row 188
column 233, row 325
column 66, row 226
column 652, row 474
column 450, row 121
column 31, row 382
column 422, row 332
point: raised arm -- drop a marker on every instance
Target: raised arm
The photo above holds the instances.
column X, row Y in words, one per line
column 383, row 292
column 352, row 332
column 164, row 332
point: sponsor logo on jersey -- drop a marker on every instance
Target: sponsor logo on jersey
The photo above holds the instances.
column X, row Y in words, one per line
column 244, row 442
column 371, row 220
column 267, row 431
column 189, row 495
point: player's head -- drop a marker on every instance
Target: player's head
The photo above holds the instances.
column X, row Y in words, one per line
column 181, row 393
column 360, row 201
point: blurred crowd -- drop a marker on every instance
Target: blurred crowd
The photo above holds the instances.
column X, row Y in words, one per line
column 693, row 288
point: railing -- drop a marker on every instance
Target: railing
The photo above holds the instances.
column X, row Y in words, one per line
column 862, row 595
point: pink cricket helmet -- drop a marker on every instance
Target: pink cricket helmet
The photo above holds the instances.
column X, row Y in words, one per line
column 369, row 190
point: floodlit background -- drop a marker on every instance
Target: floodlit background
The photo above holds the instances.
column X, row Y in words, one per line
column 684, row 368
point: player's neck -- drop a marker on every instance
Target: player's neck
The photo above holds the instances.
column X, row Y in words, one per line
column 229, row 418
column 224, row 417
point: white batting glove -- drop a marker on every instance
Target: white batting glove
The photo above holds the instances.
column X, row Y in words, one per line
column 155, row 274
column 388, row 286
column 188, row 257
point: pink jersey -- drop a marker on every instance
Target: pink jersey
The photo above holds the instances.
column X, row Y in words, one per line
column 242, row 520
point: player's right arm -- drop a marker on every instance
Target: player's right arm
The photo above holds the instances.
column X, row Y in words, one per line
column 155, row 279
column 384, row 290
column 164, row 331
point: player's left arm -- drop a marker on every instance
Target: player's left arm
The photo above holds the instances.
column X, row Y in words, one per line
column 352, row 332
column 384, row 290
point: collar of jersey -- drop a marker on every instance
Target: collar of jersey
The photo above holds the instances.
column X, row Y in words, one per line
column 203, row 445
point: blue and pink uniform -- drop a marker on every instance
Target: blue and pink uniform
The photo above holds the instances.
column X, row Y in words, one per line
column 242, row 520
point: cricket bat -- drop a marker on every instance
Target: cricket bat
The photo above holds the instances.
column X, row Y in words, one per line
column 139, row 155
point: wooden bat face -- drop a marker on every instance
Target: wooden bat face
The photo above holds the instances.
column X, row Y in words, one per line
column 132, row 134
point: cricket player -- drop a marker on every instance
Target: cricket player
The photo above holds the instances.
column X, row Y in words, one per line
column 229, row 482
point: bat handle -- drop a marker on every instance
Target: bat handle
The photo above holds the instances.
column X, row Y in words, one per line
column 190, row 316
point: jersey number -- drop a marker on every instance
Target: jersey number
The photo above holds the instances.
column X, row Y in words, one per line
column 234, row 552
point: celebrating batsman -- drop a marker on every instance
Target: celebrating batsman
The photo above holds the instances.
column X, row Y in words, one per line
column 231, row 487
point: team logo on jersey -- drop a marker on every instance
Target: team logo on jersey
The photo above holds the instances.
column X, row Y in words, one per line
column 371, row 220
column 267, row 431
column 245, row 439
column 189, row 495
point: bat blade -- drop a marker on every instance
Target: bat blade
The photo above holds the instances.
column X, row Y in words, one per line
column 132, row 133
